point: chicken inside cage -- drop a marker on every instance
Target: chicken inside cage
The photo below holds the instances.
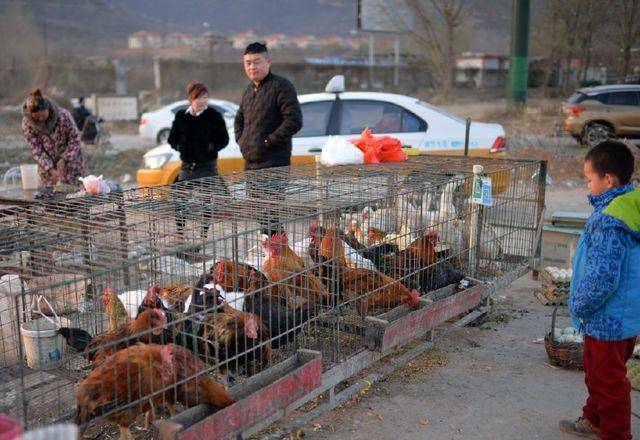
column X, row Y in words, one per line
column 151, row 321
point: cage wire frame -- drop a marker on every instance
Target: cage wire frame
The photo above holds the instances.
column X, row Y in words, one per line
column 130, row 241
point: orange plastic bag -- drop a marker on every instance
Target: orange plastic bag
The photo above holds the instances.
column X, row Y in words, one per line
column 378, row 149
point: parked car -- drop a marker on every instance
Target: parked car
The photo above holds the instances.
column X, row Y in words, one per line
column 157, row 124
column 594, row 114
column 420, row 127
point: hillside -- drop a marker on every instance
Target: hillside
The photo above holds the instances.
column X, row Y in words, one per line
column 96, row 25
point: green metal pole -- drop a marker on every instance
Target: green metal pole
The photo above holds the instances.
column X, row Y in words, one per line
column 518, row 65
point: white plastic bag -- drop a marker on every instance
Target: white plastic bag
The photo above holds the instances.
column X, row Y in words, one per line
column 338, row 151
column 95, row 185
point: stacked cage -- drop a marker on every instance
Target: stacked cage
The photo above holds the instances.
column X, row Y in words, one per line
column 136, row 305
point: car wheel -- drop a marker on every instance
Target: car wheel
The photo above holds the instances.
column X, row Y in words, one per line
column 595, row 133
column 163, row 136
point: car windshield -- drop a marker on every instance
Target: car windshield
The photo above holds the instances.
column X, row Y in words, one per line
column 442, row 112
column 577, row 98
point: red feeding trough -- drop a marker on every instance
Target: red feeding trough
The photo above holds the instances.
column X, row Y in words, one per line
column 257, row 398
column 403, row 324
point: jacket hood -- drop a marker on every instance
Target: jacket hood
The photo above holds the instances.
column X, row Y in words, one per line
column 622, row 203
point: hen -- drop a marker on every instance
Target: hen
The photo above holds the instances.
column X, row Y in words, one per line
column 175, row 297
column 135, row 380
column 216, row 331
column 418, row 268
column 115, row 309
column 238, row 339
column 371, row 289
column 234, row 276
column 283, row 265
column 411, row 264
column 147, row 327
column 282, row 322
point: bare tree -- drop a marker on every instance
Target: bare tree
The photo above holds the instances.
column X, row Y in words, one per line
column 565, row 32
column 435, row 31
column 626, row 29
column 594, row 17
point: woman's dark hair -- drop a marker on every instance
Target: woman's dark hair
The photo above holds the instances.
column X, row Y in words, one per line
column 255, row 48
column 36, row 102
column 612, row 157
column 195, row 89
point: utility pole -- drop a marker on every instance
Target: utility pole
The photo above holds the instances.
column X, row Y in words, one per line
column 518, row 62
column 44, row 40
column 396, row 61
column 372, row 57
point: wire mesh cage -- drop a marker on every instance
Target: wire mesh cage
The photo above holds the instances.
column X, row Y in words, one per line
column 121, row 305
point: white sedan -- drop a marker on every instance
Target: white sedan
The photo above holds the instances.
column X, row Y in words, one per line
column 156, row 125
column 420, row 127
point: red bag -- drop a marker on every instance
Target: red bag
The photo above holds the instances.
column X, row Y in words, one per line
column 378, row 149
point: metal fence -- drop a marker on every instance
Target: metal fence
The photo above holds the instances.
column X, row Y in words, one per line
column 163, row 298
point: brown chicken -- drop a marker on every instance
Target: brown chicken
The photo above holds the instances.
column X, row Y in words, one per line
column 330, row 257
column 235, row 338
column 374, row 290
column 283, row 265
column 176, row 296
column 411, row 265
column 374, row 236
column 332, row 247
column 147, row 327
column 115, row 309
column 234, row 277
column 137, row 376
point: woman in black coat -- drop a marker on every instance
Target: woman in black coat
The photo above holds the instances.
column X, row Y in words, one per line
column 198, row 133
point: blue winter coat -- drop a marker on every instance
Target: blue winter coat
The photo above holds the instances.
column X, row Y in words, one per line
column 604, row 298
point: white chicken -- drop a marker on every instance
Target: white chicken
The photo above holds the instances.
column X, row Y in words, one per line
column 355, row 260
column 384, row 219
column 301, row 248
column 131, row 300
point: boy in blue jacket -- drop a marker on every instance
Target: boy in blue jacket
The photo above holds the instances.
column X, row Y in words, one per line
column 604, row 298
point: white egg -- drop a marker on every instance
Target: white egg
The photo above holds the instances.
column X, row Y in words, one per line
column 569, row 331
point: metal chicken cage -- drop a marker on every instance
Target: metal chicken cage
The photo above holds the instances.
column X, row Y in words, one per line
column 247, row 270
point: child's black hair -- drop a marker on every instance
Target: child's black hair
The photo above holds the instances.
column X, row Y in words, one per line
column 256, row 47
column 612, row 157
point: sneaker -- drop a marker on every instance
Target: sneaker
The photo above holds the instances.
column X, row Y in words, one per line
column 581, row 427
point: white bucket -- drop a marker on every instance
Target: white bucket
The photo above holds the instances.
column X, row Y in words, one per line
column 61, row 431
column 43, row 346
column 30, row 177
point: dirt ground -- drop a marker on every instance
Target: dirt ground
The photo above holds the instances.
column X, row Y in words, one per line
column 491, row 381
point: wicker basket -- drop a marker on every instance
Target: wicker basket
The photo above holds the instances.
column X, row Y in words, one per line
column 566, row 354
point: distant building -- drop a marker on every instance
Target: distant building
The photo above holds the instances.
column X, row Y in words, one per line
column 304, row 41
column 481, row 70
column 332, row 41
column 145, row 40
column 595, row 73
column 242, row 39
column 277, row 41
column 211, row 41
column 354, row 43
column 179, row 39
